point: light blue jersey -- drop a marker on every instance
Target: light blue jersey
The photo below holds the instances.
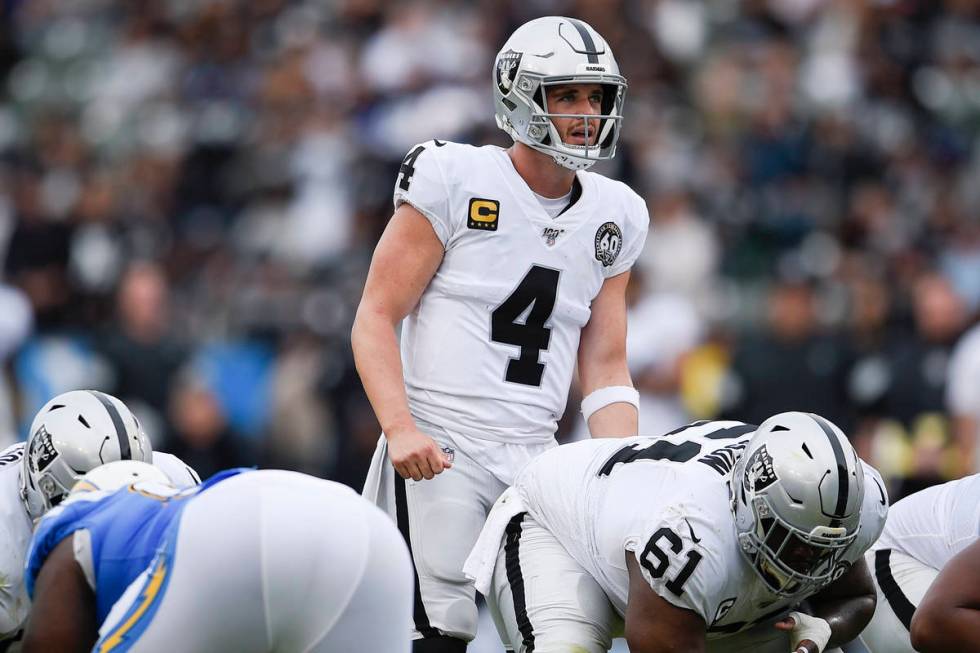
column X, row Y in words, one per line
column 126, row 529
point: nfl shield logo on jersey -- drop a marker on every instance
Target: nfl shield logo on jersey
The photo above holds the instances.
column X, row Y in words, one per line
column 450, row 454
column 608, row 242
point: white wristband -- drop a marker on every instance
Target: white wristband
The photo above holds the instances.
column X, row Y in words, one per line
column 807, row 626
column 612, row 394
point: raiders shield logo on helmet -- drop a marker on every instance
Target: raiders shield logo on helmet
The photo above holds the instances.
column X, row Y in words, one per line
column 42, row 451
column 608, row 242
column 507, row 64
column 759, row 473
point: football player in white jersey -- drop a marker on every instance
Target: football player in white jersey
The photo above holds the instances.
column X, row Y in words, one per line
column 706, row 539
column 506, row 266
column 73, row 433
column 926, row 568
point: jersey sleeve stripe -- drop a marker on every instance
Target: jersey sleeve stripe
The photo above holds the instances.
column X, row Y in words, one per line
column 899, row 603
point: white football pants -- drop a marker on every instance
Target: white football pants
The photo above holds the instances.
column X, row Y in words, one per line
column 271, row 561
column 442, row 518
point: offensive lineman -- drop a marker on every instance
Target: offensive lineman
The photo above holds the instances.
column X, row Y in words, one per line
column 504, row 264
column 73, row 433
column 927, row 572
column 251, row 561
column 706, row 539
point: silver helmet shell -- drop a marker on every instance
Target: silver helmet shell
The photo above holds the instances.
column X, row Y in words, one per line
column 550, row 51
column 72, row 434
column 797, row 493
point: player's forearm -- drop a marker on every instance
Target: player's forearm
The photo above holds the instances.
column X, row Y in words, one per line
column 614, row 421
column 955, row 629
column 847, row 616
column 608, row 370
column 379, row 365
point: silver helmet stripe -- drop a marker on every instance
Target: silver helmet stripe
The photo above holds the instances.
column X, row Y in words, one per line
column 125, row 453
column 839, row 510
column 588, row 45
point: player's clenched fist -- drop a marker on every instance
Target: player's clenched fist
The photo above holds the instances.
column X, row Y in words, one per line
column 415, row 455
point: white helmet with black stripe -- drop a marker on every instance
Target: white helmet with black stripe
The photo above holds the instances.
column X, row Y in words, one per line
column 797, row 493
column 546, row 52
column 72, row 434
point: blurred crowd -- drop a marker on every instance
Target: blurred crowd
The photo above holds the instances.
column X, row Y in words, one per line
column 192, row 189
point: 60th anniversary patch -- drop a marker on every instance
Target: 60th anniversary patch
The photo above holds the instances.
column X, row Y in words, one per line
column 608, row 243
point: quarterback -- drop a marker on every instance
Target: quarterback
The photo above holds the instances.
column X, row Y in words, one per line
column 250, row 561
column 706, row 539
column 503, row 267
column 73, row 433
column 927, row 572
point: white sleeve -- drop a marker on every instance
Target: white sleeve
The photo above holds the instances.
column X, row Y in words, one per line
column 676, row 559
column 14, row 604
column 963, row 378
column 81, row 544
column 179, row 473
column 635, row 228
column 421, row 182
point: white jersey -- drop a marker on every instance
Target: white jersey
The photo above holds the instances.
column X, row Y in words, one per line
column 180, row 473
column 935, row 524
column 490, row 348
column 667, row 500
column 18, row 528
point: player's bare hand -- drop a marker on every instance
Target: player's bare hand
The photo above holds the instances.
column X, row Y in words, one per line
column 415, row 455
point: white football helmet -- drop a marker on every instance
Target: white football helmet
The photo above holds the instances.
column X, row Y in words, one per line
column 72, row 434
column 797, row 493
column 118, row 474
column 549, row 51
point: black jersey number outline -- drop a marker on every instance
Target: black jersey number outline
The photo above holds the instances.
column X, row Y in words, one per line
column 534, row 295
column 13, row 457
column 407, row 168
column 666, row 450
column 675, row 585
